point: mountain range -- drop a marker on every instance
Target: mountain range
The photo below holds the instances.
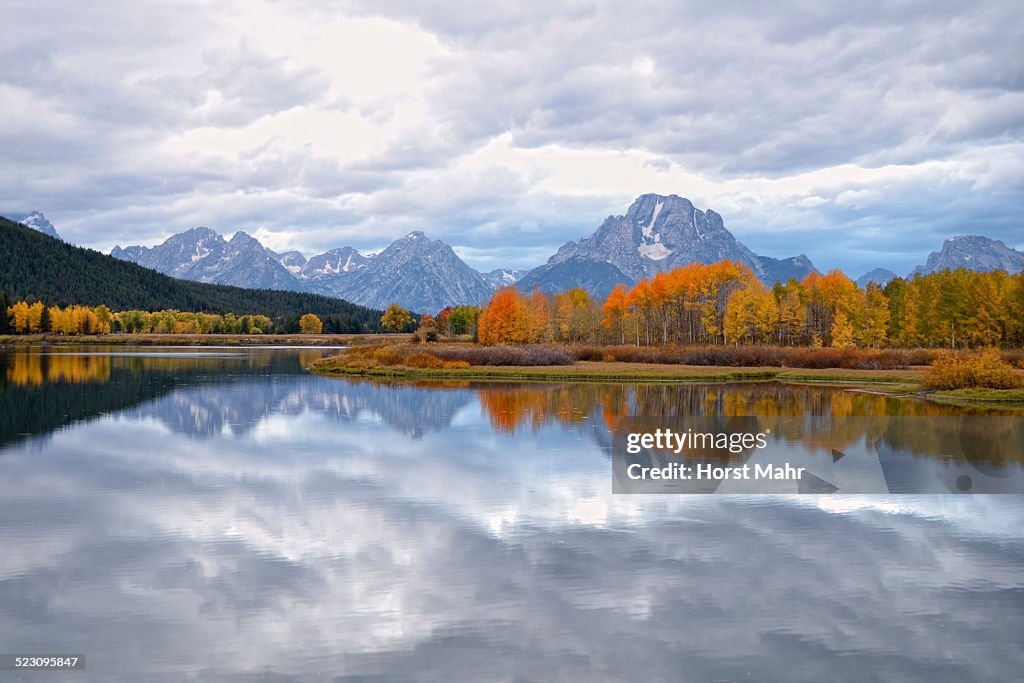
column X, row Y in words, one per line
column 416, row 272
column 656, row 233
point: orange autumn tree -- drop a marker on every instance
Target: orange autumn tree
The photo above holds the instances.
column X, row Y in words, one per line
column 639, row 301
column 615, row 309
column 686, row 305
column 537, row 318
column 505, row 319
column 682, row 298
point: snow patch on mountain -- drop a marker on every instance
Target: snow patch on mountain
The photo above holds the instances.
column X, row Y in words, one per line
column 655, row 251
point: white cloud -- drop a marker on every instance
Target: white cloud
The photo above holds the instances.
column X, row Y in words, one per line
column 352, row 126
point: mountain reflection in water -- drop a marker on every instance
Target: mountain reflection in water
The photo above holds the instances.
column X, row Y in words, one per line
column 230, row 517
column 180, row 389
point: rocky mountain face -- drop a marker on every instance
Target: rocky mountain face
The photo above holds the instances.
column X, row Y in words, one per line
column 503, row 277
column 333, row 263
column 973, row 252
column 293, row 261
column 37, row 221
column 201, row 254
column 880, row 276
column 597, row 277
column 415, row 272
column 418, row 273
column 656, row 233
column 782, row 270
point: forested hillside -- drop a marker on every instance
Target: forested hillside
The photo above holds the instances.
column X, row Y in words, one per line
column 34, row 266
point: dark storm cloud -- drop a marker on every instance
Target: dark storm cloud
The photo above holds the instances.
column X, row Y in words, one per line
column 322, row 127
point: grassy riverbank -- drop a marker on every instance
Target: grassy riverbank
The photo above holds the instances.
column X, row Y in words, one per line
column 624, row 372
column 979, row 395
column 510, row 363
column 464, row 362
column 204, row 339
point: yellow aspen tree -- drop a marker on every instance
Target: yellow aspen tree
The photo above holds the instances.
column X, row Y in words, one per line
column 35, row 317
column 876, row 316
column 310, row 324
column 765, row 313
column 842, row 331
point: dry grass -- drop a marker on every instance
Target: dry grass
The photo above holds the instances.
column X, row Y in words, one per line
column 398, row 361
column 761, row 356
column 416, row 356
column 505, row 355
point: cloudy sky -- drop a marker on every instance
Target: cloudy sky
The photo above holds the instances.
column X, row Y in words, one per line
column 860, row 136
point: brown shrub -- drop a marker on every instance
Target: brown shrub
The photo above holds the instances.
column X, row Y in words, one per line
column 760, row 356
column 505, row 355
column 426, row 359
column 387, row 355
column 1014, row 358
column 984, row 369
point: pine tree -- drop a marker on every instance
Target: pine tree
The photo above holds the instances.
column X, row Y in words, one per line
column 5, row 325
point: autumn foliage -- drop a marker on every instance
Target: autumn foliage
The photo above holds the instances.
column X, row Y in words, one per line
column 514, row 318
column 35, row 318
column 310, row 324
column 982, row 369
column 724, row 303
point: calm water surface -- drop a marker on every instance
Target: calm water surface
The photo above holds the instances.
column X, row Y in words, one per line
column 218, row 514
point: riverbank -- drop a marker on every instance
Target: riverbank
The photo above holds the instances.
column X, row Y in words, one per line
column 205, row 339
column 406, row 362
column 895, row 383
column 616, row 371
column 627, row 372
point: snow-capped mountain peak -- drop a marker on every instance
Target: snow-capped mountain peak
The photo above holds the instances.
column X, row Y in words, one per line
column 37, row 221
column 657, row 232
column 416, row 272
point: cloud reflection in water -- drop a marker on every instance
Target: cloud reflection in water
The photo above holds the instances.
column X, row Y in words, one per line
column 228, row 531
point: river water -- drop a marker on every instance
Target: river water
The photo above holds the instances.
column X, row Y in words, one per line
column 219, row 514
